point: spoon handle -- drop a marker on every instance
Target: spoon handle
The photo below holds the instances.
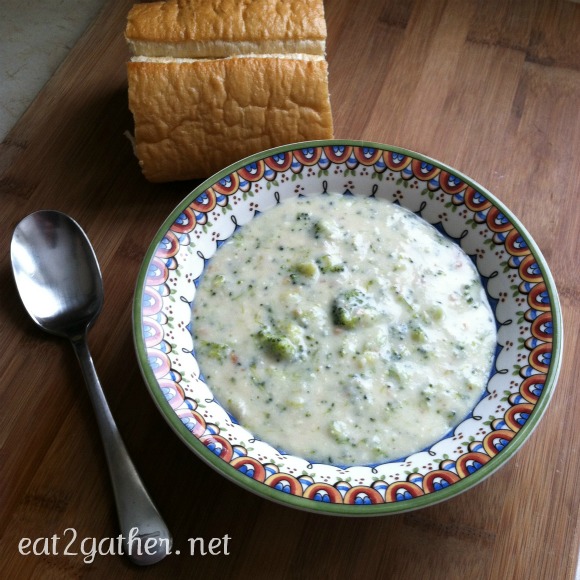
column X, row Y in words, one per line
column 145, row 536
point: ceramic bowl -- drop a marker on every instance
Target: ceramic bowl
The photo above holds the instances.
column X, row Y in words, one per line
column 518, row 282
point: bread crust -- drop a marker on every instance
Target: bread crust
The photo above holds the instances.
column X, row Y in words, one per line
column 200, row 23
column 194, row 118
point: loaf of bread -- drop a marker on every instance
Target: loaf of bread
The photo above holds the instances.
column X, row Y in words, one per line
column 213, row 81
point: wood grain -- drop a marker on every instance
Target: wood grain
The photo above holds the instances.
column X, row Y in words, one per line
column 487, row 86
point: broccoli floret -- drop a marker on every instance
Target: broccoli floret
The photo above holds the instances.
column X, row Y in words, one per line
column 277, row 345
column 418, row 335
column 216, row 350
column 301, row 270
column 325, row 229
column 435, row 312
column 304, row 272
column 351, row 308
column 329, row 263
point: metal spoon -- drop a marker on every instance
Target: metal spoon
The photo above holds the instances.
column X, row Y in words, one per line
column 60, row 284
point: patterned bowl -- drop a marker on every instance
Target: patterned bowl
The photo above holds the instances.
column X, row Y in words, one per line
column 520, row 289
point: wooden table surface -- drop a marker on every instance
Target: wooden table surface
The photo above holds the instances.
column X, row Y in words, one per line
column 491, row 87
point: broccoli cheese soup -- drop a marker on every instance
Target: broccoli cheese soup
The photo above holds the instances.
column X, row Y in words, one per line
column 343, row 330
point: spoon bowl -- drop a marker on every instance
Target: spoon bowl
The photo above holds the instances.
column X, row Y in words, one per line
column 57, row 273
column 60, row 284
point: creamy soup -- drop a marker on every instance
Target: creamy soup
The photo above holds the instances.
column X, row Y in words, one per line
column 344, row 330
